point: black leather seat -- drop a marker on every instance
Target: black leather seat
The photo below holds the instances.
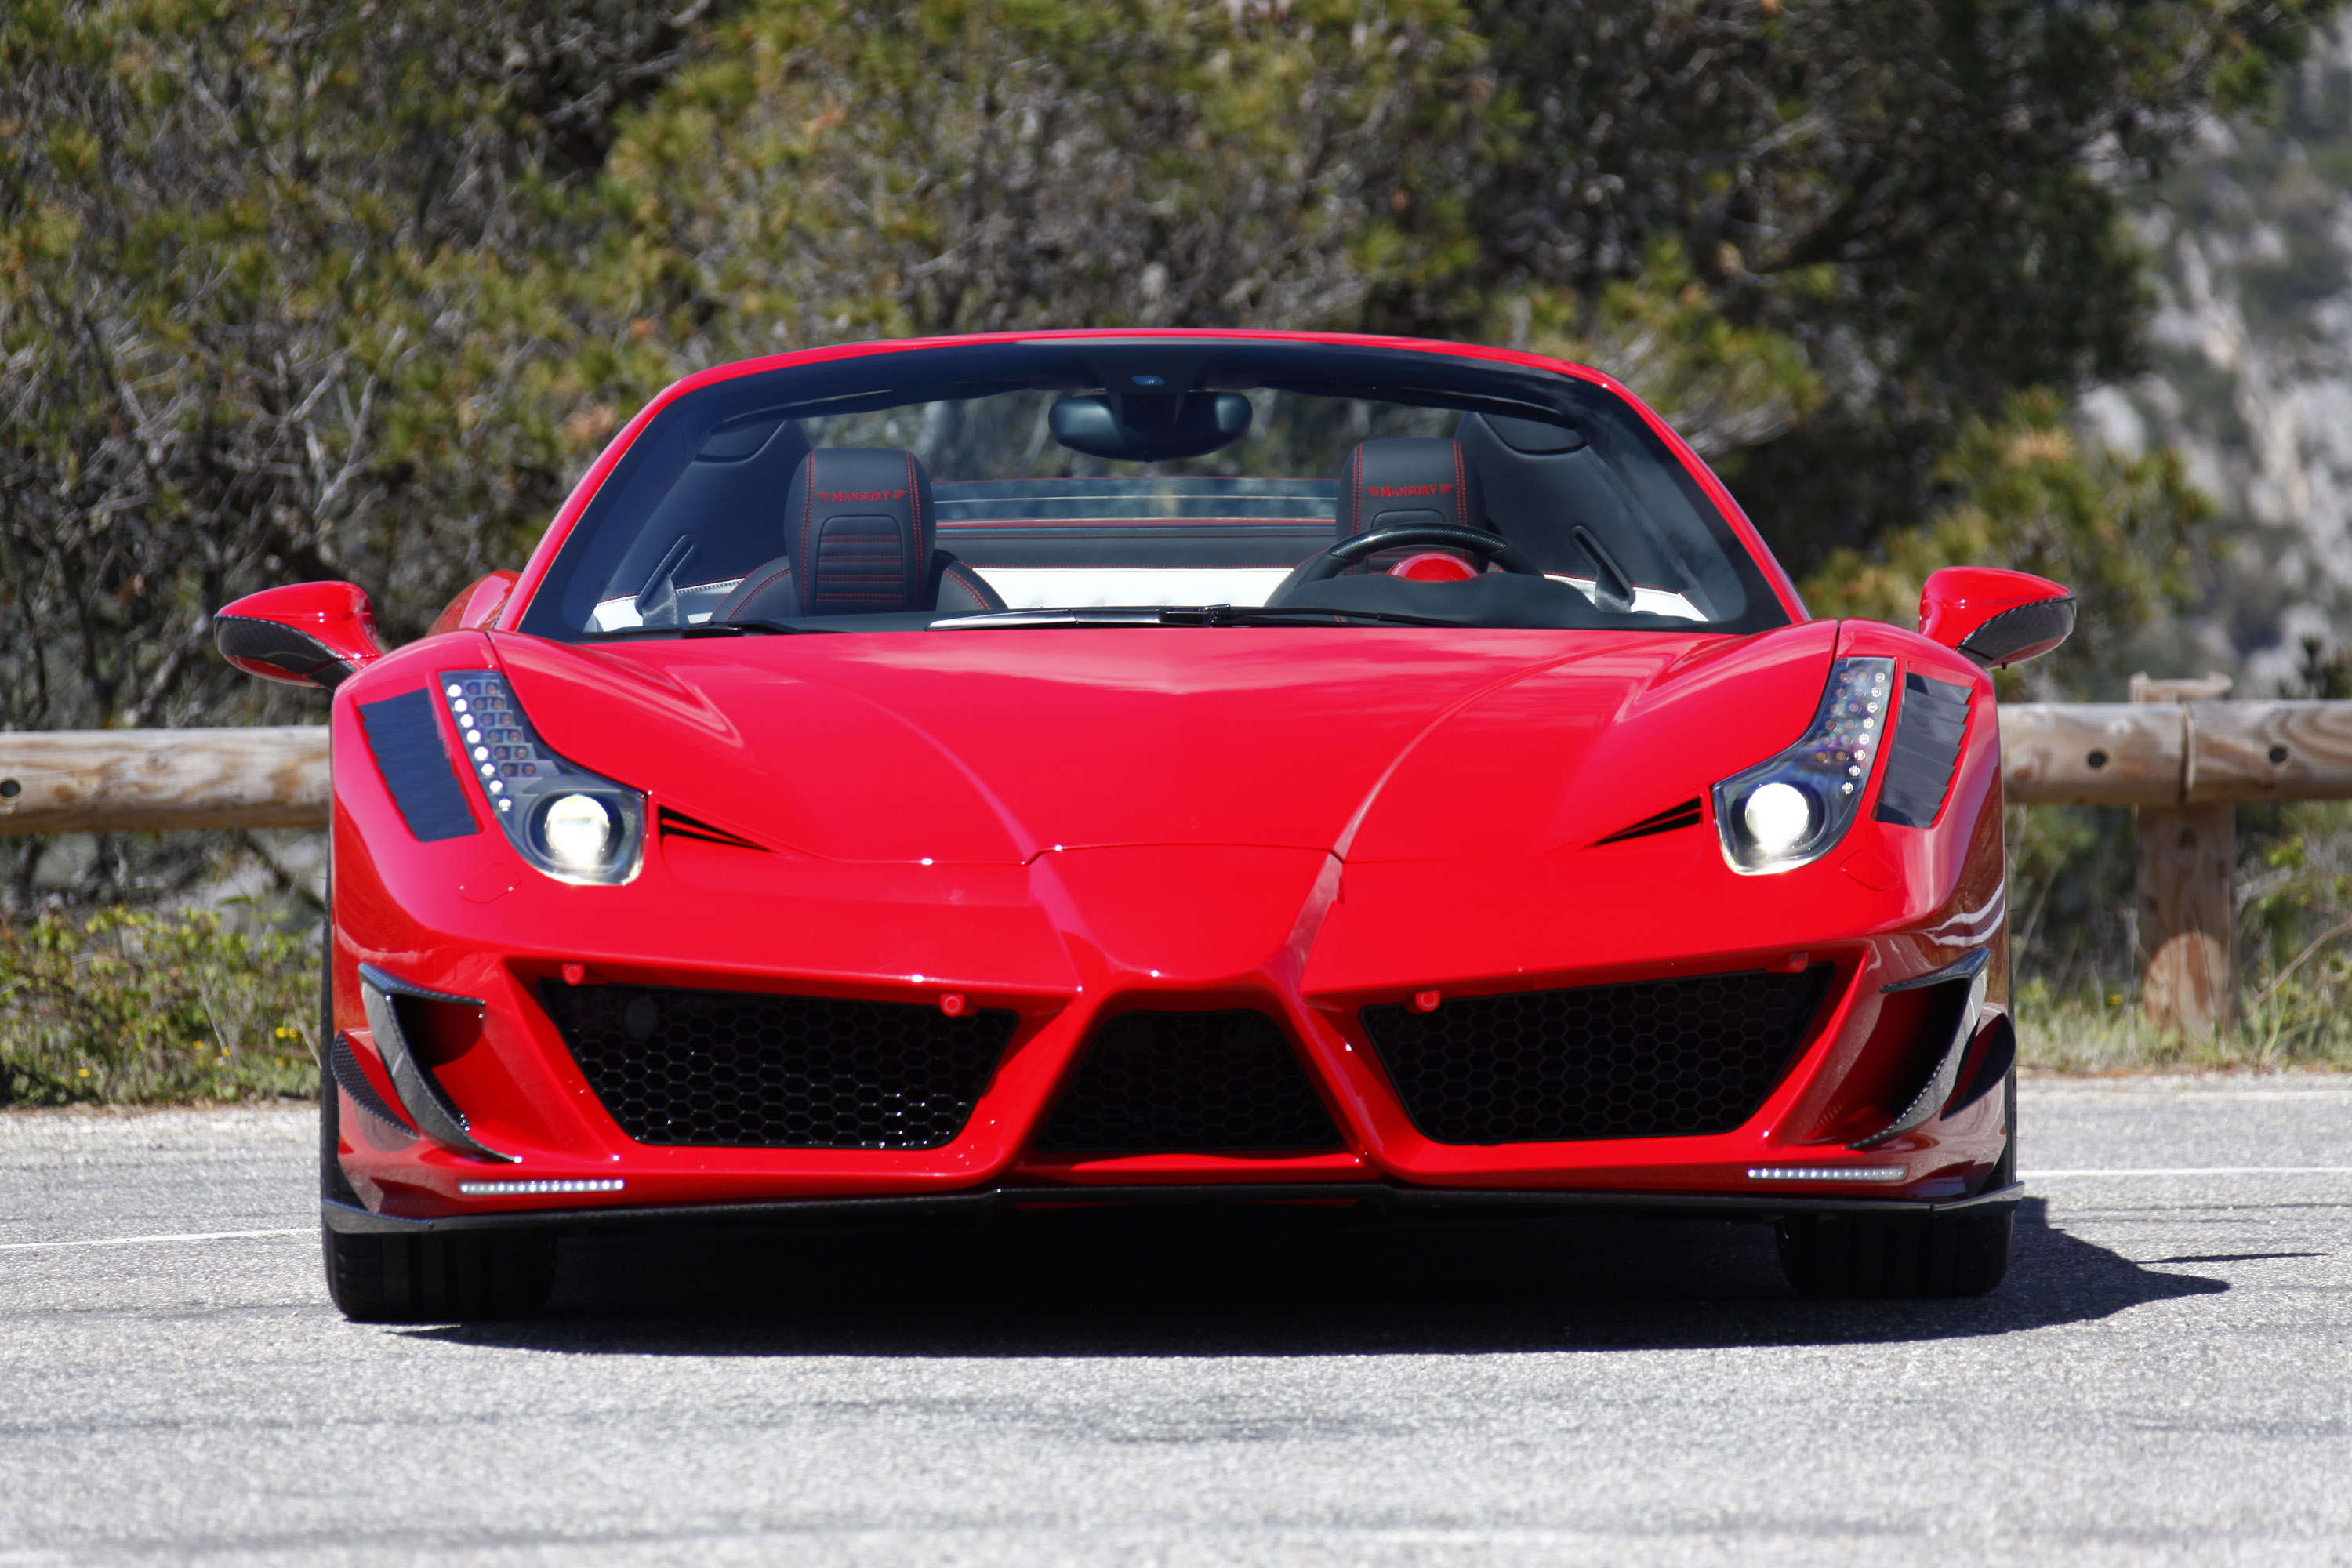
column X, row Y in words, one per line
column 858, row 527
column 1394, row 480
column 1401, row 479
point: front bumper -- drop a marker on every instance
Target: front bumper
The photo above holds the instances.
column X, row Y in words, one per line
column 1076, row 935
column 975, row 929
column 1379, row 1198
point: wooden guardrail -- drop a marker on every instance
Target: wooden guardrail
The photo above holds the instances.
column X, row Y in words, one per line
column 156, row 780
column 2160, row 752
column 2179, row 756
column 2066, row 754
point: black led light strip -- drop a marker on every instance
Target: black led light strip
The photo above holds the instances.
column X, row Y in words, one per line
column 498, row 747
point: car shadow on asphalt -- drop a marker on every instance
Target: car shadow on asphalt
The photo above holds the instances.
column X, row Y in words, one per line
column 1286, row 1283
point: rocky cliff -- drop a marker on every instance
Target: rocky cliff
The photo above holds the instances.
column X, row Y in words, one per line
column 2250, row 369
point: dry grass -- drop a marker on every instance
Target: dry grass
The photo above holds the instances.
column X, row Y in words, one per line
column 2301, row 1027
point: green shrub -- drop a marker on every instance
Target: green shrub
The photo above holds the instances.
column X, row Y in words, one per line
column 132, row 1008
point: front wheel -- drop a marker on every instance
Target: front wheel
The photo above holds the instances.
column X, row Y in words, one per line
column 431, row 1278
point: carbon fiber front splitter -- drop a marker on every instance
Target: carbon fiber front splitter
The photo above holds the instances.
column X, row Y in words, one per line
column 980, row 1201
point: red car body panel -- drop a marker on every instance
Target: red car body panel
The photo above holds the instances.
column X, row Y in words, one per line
column 1309, row 822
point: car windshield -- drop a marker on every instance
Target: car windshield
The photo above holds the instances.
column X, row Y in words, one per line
column 1147, row 481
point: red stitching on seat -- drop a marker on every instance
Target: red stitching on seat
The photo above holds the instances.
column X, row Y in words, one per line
column 1356, row 493
column 971, row 585
column 1141, row 528
column 919, row 552
column 742, row 598
column 1132, row 566
column 808, row 549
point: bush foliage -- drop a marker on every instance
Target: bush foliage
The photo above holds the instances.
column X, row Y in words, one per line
column 296, row 289
column 293, row 288
column 2022, row 489
column 130, row 1007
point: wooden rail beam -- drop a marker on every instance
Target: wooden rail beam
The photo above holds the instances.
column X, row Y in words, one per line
column 2242, row 751
column 2091, row 753
column 2067, row 753
column 154, row 781
column 2166, row 752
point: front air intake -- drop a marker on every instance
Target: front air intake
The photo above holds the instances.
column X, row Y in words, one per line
column 751, row 1070
column 1159, row 1083
column 1661, row 1058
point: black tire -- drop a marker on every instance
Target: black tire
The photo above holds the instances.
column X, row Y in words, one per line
column 1944, row 1255
column 430, row 1279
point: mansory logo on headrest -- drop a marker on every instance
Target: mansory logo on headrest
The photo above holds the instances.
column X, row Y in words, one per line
column 1409, row 490
column 861, row 495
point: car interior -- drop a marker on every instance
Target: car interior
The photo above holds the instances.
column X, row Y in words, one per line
column 935, row 510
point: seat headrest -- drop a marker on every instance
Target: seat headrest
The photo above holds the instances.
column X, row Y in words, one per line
column 1396, row 480
column 858, row 529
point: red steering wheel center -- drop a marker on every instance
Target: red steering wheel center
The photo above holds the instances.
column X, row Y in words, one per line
column 1434, row 566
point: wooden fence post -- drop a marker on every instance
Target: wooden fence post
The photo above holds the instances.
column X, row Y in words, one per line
column 2189, row 975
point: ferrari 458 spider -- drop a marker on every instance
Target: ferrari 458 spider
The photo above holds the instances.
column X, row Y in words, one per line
column 1111, row 768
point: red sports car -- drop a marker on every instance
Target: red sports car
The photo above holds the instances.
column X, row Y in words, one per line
column 1113, row 768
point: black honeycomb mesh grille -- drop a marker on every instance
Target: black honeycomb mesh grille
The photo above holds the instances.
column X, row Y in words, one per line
column 1189, row 1083
column 745, row 1069
column 1662, row 1058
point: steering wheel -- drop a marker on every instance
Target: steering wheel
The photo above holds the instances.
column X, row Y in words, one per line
column 1475, row 542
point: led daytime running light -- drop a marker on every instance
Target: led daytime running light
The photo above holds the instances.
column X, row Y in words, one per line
column 514, row 1189
column 1826, row 1173
column 545, row 802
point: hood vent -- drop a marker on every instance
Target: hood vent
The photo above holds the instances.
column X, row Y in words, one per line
column 677, row 824
column 1928, row 729
column 405, row 739
column 1686, row 815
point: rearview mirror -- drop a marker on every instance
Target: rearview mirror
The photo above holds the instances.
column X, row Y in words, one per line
column 305, row 633
column 1995, row 617
column 1149, row 426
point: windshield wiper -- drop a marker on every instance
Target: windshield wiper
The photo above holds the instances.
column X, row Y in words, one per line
column 707, row 629
column 1145, row 616
column 1179, row 616
column 1287, row 615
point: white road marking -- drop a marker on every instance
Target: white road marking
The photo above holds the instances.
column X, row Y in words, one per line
column 141, row 1240
column 2203, row 1170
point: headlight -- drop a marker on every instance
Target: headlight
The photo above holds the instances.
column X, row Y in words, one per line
column 577, row 830
column 1794, row 807
column 575, row 825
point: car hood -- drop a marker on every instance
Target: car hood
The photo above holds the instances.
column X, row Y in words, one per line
column 994, row 746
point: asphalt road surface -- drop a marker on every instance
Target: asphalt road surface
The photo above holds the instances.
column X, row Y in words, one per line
column 2166, row 1377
